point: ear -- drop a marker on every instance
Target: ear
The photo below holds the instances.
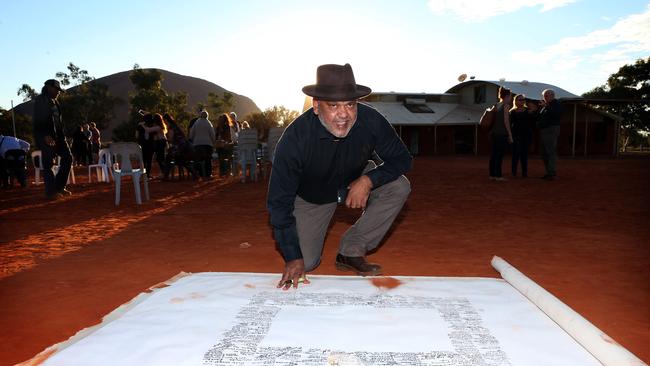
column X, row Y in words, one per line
column 314, row 104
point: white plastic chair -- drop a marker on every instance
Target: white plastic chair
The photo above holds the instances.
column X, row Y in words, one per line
column 124, row 152
column 246, row 153
column 37, row 154
column 274, row 136
column 103, row 167
column 38, row 166
column 71, row 176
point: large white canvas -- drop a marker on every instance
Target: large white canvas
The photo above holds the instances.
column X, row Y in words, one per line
column 242, row 319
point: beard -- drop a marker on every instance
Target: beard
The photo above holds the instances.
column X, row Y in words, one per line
column 334, row 132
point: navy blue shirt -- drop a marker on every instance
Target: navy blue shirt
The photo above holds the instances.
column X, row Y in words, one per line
column 313, row 164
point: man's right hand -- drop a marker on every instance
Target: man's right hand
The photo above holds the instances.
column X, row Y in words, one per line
column 49, row 141
column 293, row 271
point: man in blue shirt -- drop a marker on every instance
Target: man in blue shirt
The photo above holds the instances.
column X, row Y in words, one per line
column 326, row 156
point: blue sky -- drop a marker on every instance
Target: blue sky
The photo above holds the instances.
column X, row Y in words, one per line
column 268, row 50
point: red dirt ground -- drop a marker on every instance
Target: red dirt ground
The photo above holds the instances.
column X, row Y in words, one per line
column 584, row 237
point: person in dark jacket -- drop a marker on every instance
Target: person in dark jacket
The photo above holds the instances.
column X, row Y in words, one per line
column 549, row 130
column 522, row 122
column 50, row 139
column 325, row 157
column 500, row 134
column 80, row 146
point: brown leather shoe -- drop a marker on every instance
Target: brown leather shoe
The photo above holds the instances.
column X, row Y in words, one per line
column 358, row 265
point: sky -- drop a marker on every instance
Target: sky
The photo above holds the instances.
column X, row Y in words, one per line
column 269, row 49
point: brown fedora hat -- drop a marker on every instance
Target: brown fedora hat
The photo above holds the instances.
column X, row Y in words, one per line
column 336, row 83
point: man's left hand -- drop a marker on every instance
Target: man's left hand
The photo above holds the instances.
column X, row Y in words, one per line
column 359, row 192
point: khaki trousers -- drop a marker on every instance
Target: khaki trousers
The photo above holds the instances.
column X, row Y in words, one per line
column 312, row 221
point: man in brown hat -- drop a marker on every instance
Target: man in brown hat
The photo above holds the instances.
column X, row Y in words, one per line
column 50, row 139
column 325, row 157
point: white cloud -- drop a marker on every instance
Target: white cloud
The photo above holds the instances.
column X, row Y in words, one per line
column 475, row 11
column 617, row 45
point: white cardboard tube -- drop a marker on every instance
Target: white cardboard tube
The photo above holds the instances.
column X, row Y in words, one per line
column 594, row 340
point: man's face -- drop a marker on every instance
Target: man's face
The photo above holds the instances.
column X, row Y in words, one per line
column 337, row 117
column 548, row 96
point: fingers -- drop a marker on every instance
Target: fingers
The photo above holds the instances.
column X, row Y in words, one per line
column 286, row 284
column 351, row 202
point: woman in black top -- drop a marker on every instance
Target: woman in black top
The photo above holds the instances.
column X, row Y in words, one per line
column 500, row 134
column 521, row 122
column 80, row 146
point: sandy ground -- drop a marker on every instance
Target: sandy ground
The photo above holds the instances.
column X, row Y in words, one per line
column 584, row 237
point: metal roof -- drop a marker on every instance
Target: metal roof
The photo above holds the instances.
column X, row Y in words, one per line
column 532, row 90
column 444, row 114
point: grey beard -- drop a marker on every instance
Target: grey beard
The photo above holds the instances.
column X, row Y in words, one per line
column 330, row 131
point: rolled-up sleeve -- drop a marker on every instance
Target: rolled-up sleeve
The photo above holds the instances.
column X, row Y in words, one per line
column 283, row 185
column 394, row 154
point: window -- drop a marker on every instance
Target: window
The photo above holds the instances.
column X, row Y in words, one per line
column 417, row 105
column 479, row 94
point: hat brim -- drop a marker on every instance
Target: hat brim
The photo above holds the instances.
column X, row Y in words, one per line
column 320, row 92
column 57, row 88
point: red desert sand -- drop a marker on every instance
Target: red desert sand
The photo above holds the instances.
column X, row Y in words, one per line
column 584, row 237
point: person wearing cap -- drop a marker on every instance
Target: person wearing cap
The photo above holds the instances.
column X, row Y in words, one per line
column 325, row 157
column 49, row 136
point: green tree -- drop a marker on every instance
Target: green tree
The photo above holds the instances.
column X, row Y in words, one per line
column 149, row 96
column 27, row 92
column 23, row 125
column 632, row 84
column 271, row 117
column 218, row 103
column 86, row 101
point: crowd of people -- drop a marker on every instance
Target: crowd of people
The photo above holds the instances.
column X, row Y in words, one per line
column 160, row 136
column 86, row 143
column 514, row 124
column 339, row 152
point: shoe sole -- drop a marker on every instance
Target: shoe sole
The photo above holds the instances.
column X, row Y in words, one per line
column 345, row 267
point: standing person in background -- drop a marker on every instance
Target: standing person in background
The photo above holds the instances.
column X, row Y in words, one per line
column 160, row 140
column 95, row 142
column 224, row 142
column 180, row 150
column 50, row 139
column 203, row 138
column 89, row 145
column 235, row 127
column 145, row 137
column 522, row 134
column 155, row 132
column 549, row 130
column 191, row 124
column 500, row 134
column 79, row 146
